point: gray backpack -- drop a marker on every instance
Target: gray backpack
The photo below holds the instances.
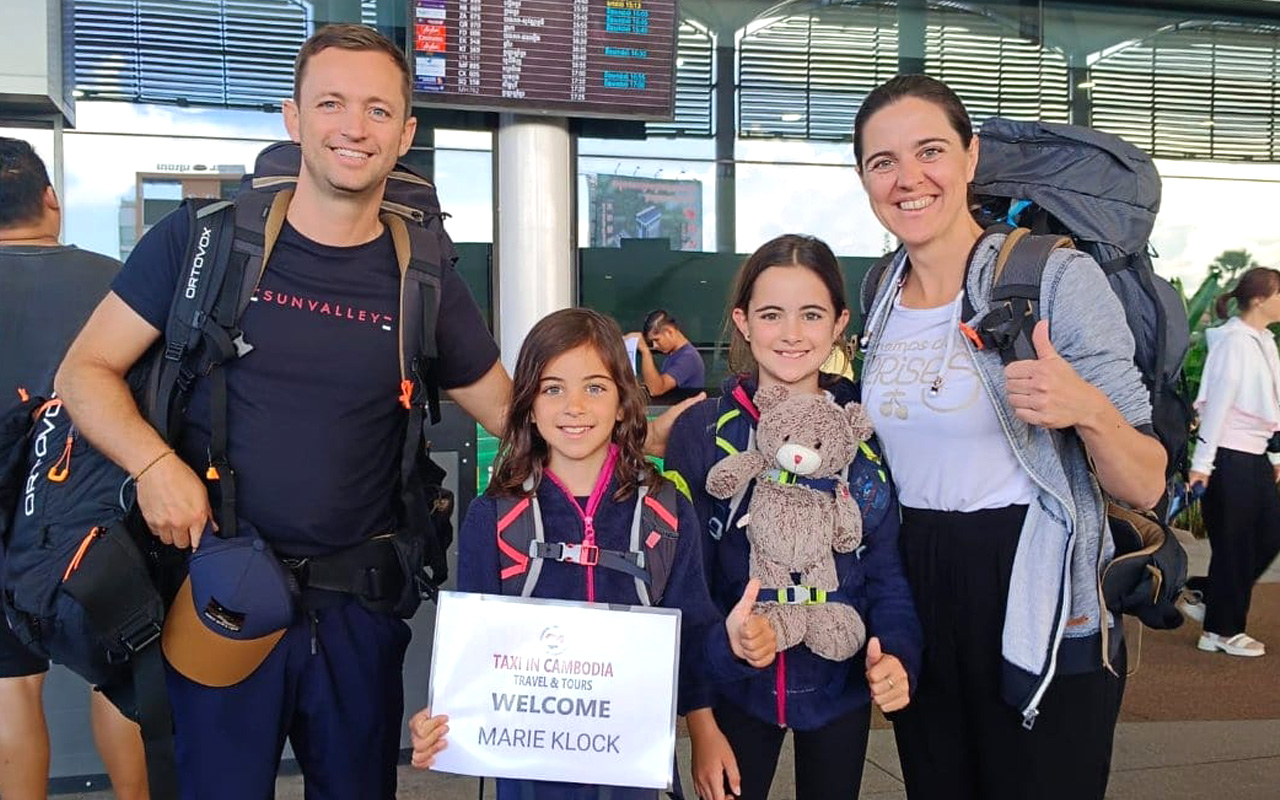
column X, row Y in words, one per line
column 1049, row 185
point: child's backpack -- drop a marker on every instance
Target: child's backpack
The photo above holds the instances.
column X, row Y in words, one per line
column 649, row 558
column 84, row 581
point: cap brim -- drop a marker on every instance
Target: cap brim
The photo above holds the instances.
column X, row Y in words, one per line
column 203, row 656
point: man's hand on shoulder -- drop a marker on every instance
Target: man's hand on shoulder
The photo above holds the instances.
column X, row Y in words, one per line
column 655, row 444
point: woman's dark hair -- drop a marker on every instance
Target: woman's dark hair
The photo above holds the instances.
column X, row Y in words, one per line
column 1254, row 286
column 919, row 86
column 789, row 249
column 523, row 453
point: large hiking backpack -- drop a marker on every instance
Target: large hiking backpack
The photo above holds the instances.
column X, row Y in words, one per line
column 1104, row 194
column 85, row 583
column 1046, row 186
column 648, row 559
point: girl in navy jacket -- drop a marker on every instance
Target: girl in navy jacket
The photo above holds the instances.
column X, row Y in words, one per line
column 788, row 313
column 574, row 440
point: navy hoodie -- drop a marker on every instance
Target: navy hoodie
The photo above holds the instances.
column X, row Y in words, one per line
column 704, row 644
column 801, row 690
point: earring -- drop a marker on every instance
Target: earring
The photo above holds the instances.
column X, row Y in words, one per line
column 747, row 337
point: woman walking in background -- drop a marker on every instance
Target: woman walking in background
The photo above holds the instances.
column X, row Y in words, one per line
column 1239, row 406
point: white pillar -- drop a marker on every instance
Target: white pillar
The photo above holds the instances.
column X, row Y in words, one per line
column 535, row 241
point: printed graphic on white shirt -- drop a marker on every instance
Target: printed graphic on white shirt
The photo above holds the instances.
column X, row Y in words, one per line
column 940, row 431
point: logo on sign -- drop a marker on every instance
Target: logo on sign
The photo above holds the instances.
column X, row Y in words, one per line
column 552, row 640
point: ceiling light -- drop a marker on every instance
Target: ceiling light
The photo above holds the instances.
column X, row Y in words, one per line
column 792, row 117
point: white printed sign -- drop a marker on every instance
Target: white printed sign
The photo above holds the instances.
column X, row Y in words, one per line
column 556, row 690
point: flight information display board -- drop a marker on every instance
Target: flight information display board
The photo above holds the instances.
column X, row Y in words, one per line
column 573, row 58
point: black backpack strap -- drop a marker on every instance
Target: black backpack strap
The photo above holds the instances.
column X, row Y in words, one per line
column 655, row 530
column 259, row 218
column 872, row 280
column 126, row 612
column 1015, row 293
column 204, row 263
column 519, row 526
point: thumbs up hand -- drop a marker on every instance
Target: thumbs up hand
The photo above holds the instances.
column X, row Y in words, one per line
column 751, row 637
column 887, row 678
column 1046, row 390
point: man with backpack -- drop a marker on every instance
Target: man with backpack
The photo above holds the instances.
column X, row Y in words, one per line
column 310, row 416
column 47, row 290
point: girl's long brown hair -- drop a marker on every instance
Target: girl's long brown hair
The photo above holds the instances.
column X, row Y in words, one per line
column 522, row 453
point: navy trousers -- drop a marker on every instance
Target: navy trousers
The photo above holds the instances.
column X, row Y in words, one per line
column 332, row 687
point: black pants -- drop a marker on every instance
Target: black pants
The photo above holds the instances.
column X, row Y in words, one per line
column 828, row 760
column 1242, row 514
column 958, row 739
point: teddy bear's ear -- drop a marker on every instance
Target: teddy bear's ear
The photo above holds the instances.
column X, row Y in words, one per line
column 770, row 396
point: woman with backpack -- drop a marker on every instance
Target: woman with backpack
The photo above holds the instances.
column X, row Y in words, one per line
column 1239, row 406
column 998, row 469
column 788, row 309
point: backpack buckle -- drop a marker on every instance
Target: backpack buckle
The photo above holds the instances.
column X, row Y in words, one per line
column 243, row 348
column 999, row 327
column 138, row 631
column 801, row 595
column 587, row 555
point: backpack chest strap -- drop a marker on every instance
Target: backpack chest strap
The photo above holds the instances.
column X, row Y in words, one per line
column 801, row 595
column 586, row 555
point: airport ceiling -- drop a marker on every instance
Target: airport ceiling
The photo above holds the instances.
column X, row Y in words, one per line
column 1179, row 78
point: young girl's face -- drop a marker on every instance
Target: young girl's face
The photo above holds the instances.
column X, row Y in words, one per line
column 791, row 325
column 577, row 406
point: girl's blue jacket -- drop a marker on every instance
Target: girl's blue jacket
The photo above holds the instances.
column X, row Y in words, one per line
column 800, row 690
column 704, row 645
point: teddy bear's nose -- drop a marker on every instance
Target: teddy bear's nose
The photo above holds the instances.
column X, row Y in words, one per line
column 799, row 458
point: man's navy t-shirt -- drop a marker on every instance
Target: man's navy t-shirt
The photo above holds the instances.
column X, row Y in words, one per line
column 314, row 423
column 685, row 365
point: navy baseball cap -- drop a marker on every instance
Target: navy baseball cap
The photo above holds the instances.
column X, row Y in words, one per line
column 231, row 610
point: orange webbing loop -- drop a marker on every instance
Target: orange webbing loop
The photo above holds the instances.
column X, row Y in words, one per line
column 406, row 393
column 62, row 467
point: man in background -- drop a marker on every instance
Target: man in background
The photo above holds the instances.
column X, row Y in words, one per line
column 682, row 367
column 47, row 291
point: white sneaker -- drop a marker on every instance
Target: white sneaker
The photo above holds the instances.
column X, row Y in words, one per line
column 1191, row 604
column 1242, row 644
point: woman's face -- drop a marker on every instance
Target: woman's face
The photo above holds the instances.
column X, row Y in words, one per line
column 1270, row 308
column 916, row 171
column 790, row 324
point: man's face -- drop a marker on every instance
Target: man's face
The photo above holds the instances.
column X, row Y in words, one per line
column 663, row 339
column 350, row 121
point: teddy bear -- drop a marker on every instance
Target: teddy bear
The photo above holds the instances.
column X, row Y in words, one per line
column 801, row 512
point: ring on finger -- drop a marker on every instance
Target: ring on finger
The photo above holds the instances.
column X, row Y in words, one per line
column 891, row 683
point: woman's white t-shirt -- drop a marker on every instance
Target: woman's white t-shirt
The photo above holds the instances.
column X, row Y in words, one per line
column 946, row 449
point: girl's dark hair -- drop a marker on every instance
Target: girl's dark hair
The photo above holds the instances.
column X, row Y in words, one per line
column 789, row 249
column 1254, row 286
column 919, row 86
column 523, row 453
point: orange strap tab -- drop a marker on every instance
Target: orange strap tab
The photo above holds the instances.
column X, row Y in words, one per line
column 62, row 467
column 663, row 514
column 406, row 393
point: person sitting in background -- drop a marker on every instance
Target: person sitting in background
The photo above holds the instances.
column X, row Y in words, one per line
column 682, row 367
